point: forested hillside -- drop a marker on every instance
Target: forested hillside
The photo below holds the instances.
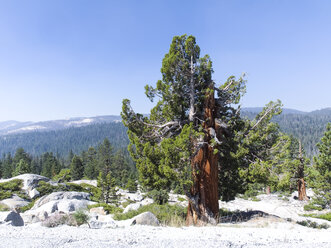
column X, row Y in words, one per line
column 307, row 127
column 61, row 142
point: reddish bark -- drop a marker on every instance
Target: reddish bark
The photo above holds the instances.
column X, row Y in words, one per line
column 302, row 196
column 203, row 206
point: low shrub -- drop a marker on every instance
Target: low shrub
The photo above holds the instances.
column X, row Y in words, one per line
column 5, row 195
column 127, row 203
column 80, row 217
column 170, row 215
column 313, row 224
column 29, row 206
column 326, row 216
column 46, row 188
column 58, row 219
column 7, row 189
column 311, row 206
column 12, row 185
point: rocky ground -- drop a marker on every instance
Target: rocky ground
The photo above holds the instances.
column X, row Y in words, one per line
column 277, row 235
column 265, row 221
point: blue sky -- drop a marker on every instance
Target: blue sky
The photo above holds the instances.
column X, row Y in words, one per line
column 69, row 58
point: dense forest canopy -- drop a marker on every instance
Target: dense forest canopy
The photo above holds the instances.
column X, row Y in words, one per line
column 60, row 142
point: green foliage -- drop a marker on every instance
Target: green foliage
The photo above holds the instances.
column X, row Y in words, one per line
column 306, row 127
column 21, row 168
column 12, row 185
column 326, row 216
column 173, row 215
column 51, row 165
column 81, row 217
column 160, row 197
column 313, row 224
column 109, row 209
column 107, row 186
column 90, row 163
column 311, row 206
column 45, row 188
column 63, row 176
column 29, row 206
column 5, row 195
column 127, row 203
column 320, row 173
column 7, row 189
column 62, row 141
column 131, row 186
column 76, row 168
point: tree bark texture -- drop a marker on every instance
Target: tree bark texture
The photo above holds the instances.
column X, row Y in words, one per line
column 203, row 205
column 302, row 196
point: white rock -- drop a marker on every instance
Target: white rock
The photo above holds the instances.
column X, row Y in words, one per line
column 15, row 202
column 64, row 202
column 102, row 221
column 98, row 211
column 33, row 193
column 29, row 180
column 90, row 182
column 146, row 218
column 57, row 196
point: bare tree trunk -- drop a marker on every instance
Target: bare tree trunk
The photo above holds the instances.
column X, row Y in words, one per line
column 302, row 196
column 192, row 110
column 203, row 205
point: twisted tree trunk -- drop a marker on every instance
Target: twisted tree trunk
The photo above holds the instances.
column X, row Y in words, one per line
column 203, row 205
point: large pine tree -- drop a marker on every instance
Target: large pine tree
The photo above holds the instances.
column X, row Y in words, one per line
column 182, row 139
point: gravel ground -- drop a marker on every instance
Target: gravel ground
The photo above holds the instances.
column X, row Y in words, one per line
column 276, row 235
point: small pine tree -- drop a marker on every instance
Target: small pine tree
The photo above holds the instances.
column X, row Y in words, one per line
column 21, row 168
column 131, row 185
column 107, row 185
column 76, row 168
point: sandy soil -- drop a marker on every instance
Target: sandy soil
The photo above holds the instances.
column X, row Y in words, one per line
column 225, row 235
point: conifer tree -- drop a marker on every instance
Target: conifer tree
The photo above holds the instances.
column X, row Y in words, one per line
column 90, row 164
column 76, row 168
column 321, row 172
column 21, row 168
column 105, row 157
column 184, row 138
column 7, row 166
column 107, row 185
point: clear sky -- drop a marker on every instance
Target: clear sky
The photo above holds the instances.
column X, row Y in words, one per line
column 70, row 58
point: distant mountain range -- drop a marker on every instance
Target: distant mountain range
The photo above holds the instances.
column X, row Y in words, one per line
column 286, row 111
column 77, row 134
column 16, row 127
